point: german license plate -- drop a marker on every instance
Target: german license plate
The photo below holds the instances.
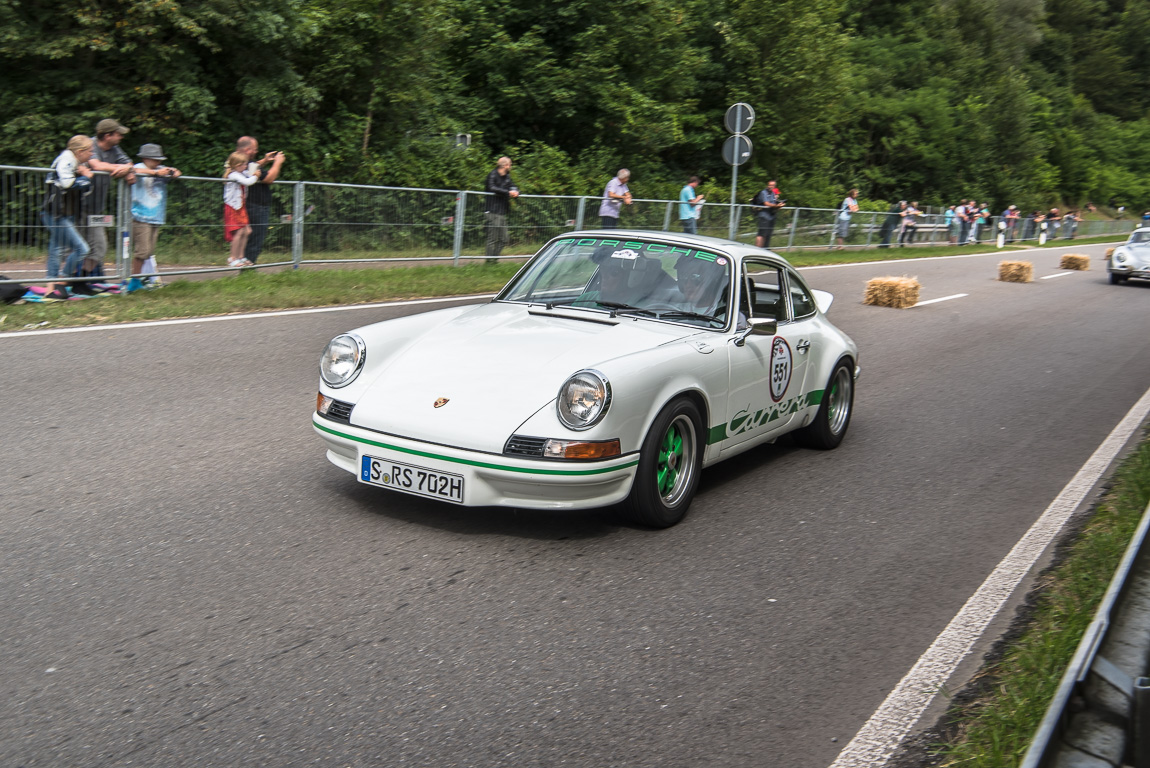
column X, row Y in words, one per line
column 409, row 478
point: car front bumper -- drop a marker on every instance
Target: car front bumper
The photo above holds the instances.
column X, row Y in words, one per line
column 488, row 480
column 1126, row 270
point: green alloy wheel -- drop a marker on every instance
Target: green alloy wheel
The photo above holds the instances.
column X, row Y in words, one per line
column 669, row 466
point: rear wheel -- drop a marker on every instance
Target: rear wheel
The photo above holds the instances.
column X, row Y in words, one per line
column 670, row 463
column 834, row 416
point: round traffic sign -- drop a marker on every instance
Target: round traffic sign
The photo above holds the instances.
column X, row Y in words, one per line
column 736, row 149
column 739, row 118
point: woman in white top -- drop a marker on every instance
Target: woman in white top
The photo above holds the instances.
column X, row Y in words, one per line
column 236, row 227
column 68, row 184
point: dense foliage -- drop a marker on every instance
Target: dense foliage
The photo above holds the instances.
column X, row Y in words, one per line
column 1004, row 100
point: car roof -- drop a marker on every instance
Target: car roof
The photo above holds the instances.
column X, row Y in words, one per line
column 731, row 248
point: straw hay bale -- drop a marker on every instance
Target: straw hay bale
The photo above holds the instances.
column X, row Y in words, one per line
column 1074, row 261
column 1015, row 271
column 1109, row 252
column 897, row 292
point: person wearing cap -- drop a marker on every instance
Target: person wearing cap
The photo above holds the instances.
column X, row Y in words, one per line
column 110, row 162
column 149, row 207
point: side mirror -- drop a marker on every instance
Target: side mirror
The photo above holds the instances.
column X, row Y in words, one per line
column 759, row 326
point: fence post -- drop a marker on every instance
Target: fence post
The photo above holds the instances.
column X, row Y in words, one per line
column 794, row 228
column 667, row 217
column 123, row 230
column 297, row 224
column 870, row 229
column 579, row 213
column 460, row 209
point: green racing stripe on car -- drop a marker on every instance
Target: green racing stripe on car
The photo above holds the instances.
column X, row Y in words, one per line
column 468, row 462
column 747, row 420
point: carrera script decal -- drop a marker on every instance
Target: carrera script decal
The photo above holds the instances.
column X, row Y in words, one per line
column 781, row 367
column 747, row 420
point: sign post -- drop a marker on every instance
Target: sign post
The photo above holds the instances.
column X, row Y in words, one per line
column 736, row 151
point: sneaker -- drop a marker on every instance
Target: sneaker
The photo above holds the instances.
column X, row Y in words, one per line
column 234, row 262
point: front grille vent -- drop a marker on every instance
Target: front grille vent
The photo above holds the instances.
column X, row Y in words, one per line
column 340, row 411
column 519, row 445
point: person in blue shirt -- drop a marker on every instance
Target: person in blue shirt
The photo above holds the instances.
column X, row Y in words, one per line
column 689, row 203
column 149, row 207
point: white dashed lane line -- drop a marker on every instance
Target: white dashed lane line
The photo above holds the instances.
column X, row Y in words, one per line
column 944, row 298
column 1057, row 274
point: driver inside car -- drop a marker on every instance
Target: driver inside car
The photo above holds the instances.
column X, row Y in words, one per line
column 702, row 285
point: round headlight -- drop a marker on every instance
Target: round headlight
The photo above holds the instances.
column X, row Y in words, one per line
column 1120, row 255
column 342, row 360
column 584, row 399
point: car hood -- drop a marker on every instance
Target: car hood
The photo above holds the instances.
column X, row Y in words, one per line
column 495, row 366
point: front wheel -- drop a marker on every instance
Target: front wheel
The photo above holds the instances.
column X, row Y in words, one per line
column 1117, row 279
column 834, row 416
column 670, row 463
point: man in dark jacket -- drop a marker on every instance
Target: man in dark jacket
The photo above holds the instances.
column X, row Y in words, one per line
column 501, row 191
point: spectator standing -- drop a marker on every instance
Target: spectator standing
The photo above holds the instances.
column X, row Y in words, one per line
column 962, row 212
column 1146, row 219
column 237, row 229
column 689, row 201
column 950, row 221
column 109, row 157
column 1053, row 219
column 615, row 195
column 1010, row 218
column 767, row 203
column 909, row 224
column 848, row 206
column 149, row 209
column 891, row 222
column 259, row 202
column 68, row 184
column 502, row 190
column 1070, row 224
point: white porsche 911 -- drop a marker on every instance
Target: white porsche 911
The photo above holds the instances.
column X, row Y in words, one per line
column 614, row 367
column 1131, row 259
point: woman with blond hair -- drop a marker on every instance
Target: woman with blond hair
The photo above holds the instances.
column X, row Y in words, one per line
column 236, row 226
column 68, row 184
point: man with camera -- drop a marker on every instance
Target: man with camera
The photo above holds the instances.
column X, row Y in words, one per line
column 768, row 203
column 259, row 202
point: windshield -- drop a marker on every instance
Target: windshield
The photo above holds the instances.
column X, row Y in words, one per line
column 1139, row 237
column 677, row 283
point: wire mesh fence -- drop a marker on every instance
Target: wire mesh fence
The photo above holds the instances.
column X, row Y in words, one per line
column 325, row 222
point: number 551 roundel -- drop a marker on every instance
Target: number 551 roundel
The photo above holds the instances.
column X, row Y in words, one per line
column 614, row 367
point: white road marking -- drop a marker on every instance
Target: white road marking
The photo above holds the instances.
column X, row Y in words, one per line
column 1057, row 274
column 882, row 734
column 944, row 298
column 250, row 316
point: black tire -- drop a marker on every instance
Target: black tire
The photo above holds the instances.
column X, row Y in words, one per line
column 670, row 463
column 830, row 425
column 1116, row 279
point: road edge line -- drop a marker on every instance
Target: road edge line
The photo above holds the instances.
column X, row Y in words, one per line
column 882, row 734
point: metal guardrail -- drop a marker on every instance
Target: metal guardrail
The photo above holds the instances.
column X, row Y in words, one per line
column 1100, row 714
column 320, row 222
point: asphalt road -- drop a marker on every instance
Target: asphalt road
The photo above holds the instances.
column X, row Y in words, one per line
column 187, row 582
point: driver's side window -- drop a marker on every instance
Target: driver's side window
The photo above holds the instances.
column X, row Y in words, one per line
column 762, row 294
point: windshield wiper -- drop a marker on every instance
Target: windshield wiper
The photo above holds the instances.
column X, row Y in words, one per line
column 688, row 315
column 616, row 306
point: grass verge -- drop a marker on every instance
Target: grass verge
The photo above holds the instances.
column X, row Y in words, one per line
column 994, row 728
column 256, row 291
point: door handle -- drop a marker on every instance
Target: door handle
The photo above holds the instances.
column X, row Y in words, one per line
column 803, row 346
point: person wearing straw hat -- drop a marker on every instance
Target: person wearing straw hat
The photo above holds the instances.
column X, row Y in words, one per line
column 149, row 208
